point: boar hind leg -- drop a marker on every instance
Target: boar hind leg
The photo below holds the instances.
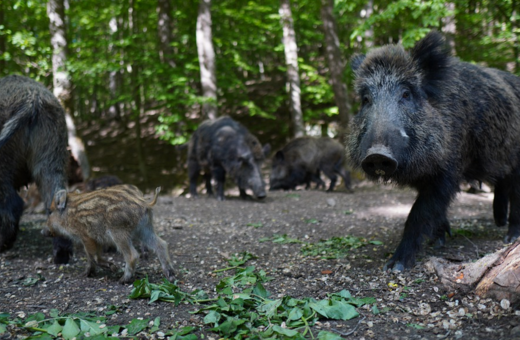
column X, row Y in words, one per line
column 514, row 214
column 501, row 202
column 11, row 208
column 193, row 174
column 428, row 217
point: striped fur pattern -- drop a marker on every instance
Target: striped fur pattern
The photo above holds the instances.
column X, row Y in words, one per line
column 117, row 215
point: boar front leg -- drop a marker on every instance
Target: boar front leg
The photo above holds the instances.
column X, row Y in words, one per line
column 219, row 174
column 428, row 217
column 91, row 249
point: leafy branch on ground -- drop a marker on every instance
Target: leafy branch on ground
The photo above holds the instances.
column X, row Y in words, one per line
column 243, row 307
column 82, row 325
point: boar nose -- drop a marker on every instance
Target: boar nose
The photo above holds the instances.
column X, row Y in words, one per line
column 379, row 162
column 261, row 195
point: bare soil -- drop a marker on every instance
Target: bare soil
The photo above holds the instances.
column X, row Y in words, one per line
column 203, row 233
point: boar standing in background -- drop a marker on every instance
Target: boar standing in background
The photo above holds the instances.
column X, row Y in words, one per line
column 223, row 147
column 33, row 147
column 430, row 121
column 302, row 159
column 102, row 182
column 113, row 216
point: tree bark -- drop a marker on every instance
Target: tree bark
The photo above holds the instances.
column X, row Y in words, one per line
column 3, row 43
column 495, row 275
column 137, row 90
column 165, row 30
column 336, row 66
column 291, row 59
column 61, row 80
column 206, row 53
column 449, row 27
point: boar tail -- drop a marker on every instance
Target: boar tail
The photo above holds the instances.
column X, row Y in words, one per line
column 157, row 191
column 23, row 116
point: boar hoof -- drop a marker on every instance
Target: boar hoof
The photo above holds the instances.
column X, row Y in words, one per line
column 512, row 235
column 394, row 266
column 124, row 280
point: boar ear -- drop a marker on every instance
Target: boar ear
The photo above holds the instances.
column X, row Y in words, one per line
column 433, row 57
column 60, row 199
column 266, row 149
column 279, row 156
column 356, row 61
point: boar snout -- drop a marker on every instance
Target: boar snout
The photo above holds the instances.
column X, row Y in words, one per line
column 379, row 162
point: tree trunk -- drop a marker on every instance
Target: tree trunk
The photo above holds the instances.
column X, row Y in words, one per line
column 165, row 30
column 291, row 59
column 206, row 53
column 336, row 65
column 448, row 26
column 3, row 43
column 369, row 33
column 495, row 275
column 61, row 80
column 138, row 109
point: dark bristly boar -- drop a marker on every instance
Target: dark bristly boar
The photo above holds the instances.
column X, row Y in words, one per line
column 102, row 182
column 302, row 160
column 430, row 121
column 33, row 147
column 113, row 216
column 223, row 147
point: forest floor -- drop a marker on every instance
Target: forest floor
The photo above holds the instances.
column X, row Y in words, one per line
column 281, row 232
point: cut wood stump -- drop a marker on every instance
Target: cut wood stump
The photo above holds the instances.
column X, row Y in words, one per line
column 495, row 276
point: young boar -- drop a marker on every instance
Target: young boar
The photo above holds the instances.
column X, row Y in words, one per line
column 113, row 216
column 302, row 159
column 223, row 147
column 430, row 121
column 33, row 147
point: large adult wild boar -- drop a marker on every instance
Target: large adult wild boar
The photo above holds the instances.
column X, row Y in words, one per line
column 302, row 159
column 430, row 121
column 223, row 147
column 33, row 147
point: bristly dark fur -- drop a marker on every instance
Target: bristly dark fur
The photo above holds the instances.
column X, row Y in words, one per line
column 302, row 159
column 33, row 147
column 223, row 147
column 430, row 121
column 433, row 57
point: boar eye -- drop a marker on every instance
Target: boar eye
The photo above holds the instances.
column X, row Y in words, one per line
column 365, row 100
column 406, row 94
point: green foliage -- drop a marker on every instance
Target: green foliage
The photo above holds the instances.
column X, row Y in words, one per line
column 335, row 247
column 81, row 325
column 243, row 307
column 115, row 58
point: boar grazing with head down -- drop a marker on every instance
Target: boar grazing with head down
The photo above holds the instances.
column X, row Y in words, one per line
column 33, row 148
column 223, row 147
column 302, row 160
column 117, row 215
column 430, row 121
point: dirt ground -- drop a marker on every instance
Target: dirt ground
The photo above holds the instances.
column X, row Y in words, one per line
column 203, row 233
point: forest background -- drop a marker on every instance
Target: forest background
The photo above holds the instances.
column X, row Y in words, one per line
column 138, row 76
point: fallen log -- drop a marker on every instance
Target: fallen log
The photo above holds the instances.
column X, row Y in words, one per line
column 494, row 276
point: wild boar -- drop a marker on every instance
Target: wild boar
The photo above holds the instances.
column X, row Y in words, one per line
column 102, row 182
column 302, row 160
column 33, row 147
column 430, row 121
column 223, row 147
column 116, row 216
